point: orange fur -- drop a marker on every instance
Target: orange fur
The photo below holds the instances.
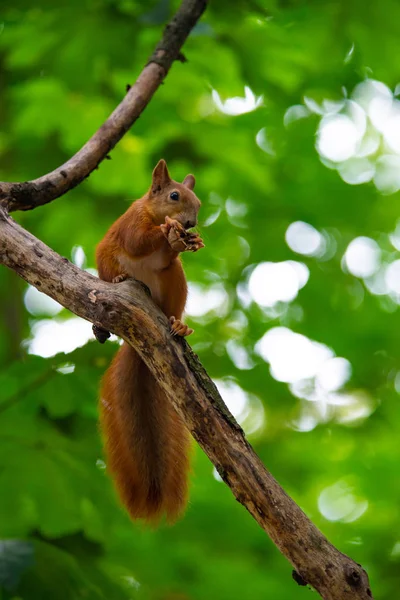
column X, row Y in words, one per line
column 146, row 442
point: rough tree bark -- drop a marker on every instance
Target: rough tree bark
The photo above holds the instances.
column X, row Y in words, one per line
column 127, row 310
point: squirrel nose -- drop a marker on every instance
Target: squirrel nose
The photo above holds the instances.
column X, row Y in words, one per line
column 189, row 224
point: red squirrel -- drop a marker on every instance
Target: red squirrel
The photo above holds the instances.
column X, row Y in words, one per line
column 146, row 442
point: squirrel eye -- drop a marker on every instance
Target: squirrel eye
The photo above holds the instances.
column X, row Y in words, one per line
column 174, row 196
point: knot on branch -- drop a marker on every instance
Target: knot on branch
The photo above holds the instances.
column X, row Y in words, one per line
column 353, row 577
column 357, row 579
column 163, row 58
column 298, row 578
column 100, row 334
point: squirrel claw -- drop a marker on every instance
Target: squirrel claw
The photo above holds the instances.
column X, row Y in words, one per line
column 194, row 242
column 120, row 278
column 178, row 328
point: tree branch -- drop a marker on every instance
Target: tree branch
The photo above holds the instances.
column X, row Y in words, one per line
column 30, row 194
column 126, row 310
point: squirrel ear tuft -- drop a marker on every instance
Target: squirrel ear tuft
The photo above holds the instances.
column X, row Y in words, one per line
column 189, row 181
column 161, row 176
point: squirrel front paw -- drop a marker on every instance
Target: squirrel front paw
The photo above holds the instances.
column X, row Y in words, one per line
column 179, row 239
column 171, row 224
column 175, row 233
column 193, row 242
column 179, row 328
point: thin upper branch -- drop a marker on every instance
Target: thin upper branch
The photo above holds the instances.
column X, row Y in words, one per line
column 30, row 194
column 128, row 311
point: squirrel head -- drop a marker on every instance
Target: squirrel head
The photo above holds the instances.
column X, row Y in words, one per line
column 168, row 198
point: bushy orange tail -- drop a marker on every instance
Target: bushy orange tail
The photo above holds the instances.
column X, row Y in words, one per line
column 146, row 442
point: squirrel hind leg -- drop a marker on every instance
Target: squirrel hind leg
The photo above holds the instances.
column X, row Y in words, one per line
column 178, row 328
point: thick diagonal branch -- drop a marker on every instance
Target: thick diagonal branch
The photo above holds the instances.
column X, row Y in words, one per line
column 127, row 310
column 30, row 194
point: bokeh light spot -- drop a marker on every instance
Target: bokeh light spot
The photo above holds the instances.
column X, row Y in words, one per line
column 339, row 503
column 303, row 238
column 271, row 283
column 362, row 257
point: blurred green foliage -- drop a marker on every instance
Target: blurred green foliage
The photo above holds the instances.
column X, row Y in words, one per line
column 64, row 67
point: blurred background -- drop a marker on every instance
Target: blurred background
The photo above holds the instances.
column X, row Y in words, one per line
column 287, row 113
